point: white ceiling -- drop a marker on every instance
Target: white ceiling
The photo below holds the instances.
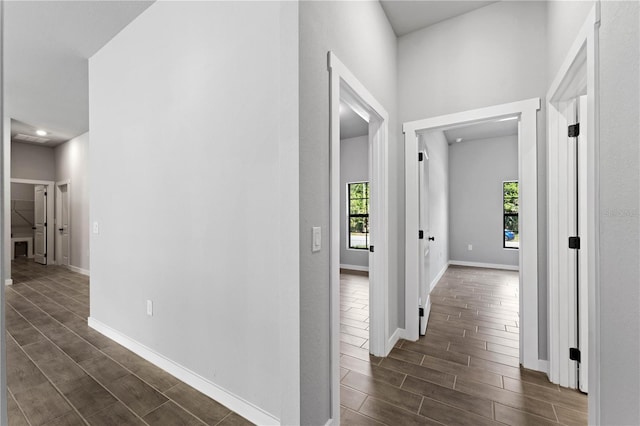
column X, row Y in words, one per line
column 351, row 124
column 410, row 15
column 46, row 49
column 484, row 130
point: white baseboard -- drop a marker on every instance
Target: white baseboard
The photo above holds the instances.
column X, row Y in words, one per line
column 437, row 278
column 78, row 270
column 484, row 265
column 8, row 281
column 427, row 311
column 354, row 267
column 224, row 397
column 397, row 335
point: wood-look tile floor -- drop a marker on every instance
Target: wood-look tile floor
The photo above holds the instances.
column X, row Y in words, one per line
column 61, row 372
column 465, row 371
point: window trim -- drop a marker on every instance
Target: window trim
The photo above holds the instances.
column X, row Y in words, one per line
column 349, row 216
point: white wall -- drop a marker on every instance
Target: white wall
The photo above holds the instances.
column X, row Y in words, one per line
column 72, row 164
column 361, row 37
column 477, row 170
column 194, row 184
column 619, row 245
column 439, row 249
column 32, row 162
column 354, row 167
column 490, row 56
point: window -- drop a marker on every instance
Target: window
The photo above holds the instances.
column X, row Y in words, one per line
column 358, row 215
column 510, row 214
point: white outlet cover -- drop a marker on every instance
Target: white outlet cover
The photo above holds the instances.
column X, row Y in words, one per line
column 96, row 228
column 150, row 308
column 316, row 243
column 470, row 247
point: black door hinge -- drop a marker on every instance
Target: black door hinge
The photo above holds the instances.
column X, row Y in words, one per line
column 371, row 249
column 421, row 235
column 574, row 354
column 420, row 156
column 574, row 243
column 421, row 312
column 45, row 224
column 574, row 130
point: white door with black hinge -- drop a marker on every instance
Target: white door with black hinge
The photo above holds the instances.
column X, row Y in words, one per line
column 62, row 224
column 40, row 224
column 424, row 236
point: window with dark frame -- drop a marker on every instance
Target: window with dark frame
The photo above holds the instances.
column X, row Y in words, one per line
column 510, row 215
column 358, row 215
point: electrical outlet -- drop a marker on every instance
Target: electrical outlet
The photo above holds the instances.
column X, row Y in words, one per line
column 96, row 228
column 316, row 244
column 149, row 308
column 470, row 247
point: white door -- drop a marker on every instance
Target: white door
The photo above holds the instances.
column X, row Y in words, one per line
column 40, row 224
column 577, row 227
column 582, row 295
column 62, row 224
column 425, row 236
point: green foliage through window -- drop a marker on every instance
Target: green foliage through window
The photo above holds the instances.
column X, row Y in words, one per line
column 358, row 215
column 510, row 208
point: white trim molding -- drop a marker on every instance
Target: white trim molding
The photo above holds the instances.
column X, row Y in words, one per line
column 354, row 267
column 8, row 281
column 345, row 87
column 485, row 265
column 212, row 390
column 78, row 270
column 439, row 276
column 526, row 111
column 577, row 76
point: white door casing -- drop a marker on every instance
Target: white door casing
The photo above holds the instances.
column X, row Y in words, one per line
column 526, row 110
column 63, row 220
column 345, row 87
column 40, row 224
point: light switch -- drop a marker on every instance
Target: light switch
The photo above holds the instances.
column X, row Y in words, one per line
column 96, row 228
column 316, row 244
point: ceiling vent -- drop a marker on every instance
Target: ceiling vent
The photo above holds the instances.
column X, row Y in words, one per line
column 29, row 138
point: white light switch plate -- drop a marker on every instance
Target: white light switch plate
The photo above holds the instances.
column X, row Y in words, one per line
column 96, row 228
column 316, row 243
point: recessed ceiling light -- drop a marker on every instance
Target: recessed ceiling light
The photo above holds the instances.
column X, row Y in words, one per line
column 41, row 133
column 459, row 140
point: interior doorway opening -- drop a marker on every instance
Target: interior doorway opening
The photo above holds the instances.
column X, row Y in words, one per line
column 418, row 300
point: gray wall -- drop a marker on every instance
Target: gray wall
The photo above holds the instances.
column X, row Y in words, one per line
column 493, row 55
column 195, row 212
column 32, row 162
column 619, row 327
column 354, row 167
column 361, row 37
column 564, row 20
column 438, row 149
column 477, row 169
column 72, row 163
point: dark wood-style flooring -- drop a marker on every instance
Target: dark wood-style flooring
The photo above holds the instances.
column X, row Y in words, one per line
column 465, row 371
column 61, row 372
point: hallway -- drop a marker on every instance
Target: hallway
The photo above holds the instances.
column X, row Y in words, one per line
column 61, row 372
column 464, row 371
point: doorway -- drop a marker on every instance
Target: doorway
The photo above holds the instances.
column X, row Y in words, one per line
column 346, row 89
column 526, row 112
column 62, row 223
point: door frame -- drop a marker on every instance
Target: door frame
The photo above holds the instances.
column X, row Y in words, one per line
column 346, row 87
column 528, row 182
column 577, row 75
column 58, row 207
column 50, row 215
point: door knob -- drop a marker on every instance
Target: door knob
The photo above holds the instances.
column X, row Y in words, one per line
column 60, row 229
column 432, row 238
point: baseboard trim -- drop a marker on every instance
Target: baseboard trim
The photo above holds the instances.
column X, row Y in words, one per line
column 354, row 267
column 78, row 270
column 437, row 278
column 397, row 335
column 484, row 265
column 8, row 281
column 427, row 311
column 224, row 397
